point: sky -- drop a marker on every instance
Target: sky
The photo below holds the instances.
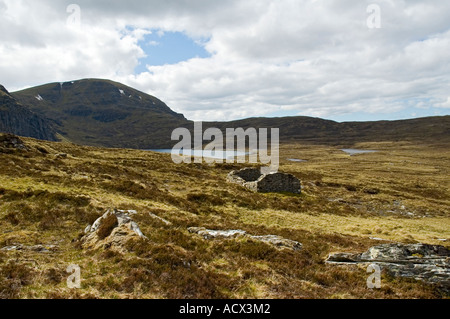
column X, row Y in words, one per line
column 344, row 60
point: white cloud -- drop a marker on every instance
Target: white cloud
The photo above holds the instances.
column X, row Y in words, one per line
column 306, row 57
column 445, row 104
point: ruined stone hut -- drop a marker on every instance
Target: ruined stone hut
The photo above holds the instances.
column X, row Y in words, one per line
column 253, row 179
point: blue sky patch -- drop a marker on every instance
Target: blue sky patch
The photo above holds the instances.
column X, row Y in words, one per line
column 168, row 48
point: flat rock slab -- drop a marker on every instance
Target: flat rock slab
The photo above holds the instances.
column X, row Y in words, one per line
column 211, row 234
column 277, row 241
column 36, row 248
column 428, row 263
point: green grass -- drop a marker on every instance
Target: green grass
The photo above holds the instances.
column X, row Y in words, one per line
column 48, row 200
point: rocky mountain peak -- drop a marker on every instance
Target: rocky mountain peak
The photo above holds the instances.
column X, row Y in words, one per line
column 18, row 119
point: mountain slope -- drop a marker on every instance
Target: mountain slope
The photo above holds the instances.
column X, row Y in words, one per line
column 18, row 119
column 104, row 113
column 316, row 130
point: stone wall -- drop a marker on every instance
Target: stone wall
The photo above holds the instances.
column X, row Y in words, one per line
column 252, row 179
column 248, row 174
column 279, row 182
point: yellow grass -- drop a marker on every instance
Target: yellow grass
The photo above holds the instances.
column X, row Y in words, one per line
column 399, row 194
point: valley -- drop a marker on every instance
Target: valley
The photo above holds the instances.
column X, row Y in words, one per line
column 81, row 189
column 50, row 192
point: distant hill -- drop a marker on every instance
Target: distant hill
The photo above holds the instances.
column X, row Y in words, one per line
column 18, row 119
column 316, row 130
column 104, row 113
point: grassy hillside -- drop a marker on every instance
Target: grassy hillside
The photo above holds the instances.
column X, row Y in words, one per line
column 103, row 113
column 50, row 192
column 434, row 130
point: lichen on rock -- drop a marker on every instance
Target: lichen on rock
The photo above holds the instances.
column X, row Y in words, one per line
column 429, row 263
column 277, row 241
column 107, row 232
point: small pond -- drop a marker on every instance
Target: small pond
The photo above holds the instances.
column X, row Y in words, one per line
column 296, row 160
column 202, row 153
column 352, row 151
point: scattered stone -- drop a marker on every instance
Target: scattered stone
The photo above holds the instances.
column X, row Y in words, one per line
column 12, row 141
column 125, row 229
column 428, row 263
column 160, row 219
column 254, row 180
column 11, row 248
column 123, row 219
column 376, row 238
column 210, row 234
column 62, row 155
column 371, row 191
column 342, row 258
column 36, row 248
column 42, row 249
column 277, row 241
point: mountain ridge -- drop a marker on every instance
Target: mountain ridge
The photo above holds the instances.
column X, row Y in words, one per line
column 97, row 112
column 18, row 119
column 316, row 130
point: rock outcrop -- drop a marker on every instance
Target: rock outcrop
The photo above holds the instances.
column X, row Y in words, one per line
column 419, row 261
column 277, row 241
column 117, row 236
column 12, row 141
column 252, row 179
column 18, row 119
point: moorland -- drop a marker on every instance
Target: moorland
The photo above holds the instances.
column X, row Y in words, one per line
column 50, row 192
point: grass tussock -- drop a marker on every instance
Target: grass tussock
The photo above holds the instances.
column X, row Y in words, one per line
column 14, row 276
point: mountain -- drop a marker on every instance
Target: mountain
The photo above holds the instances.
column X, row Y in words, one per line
column 103, row 113
column 315, row 130
column 17, row 119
